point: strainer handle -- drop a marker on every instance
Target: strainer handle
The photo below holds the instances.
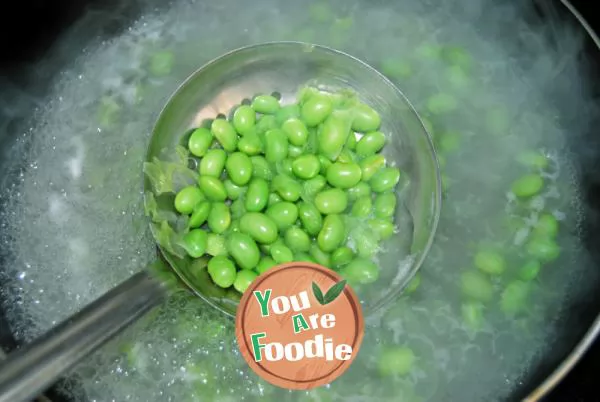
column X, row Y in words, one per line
column 30, row 370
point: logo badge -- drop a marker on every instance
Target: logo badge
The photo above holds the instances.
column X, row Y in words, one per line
column 299, row 325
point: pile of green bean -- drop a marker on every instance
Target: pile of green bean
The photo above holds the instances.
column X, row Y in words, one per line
column 281, row 183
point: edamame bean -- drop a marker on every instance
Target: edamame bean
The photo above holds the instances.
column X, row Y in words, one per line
column 385, row 179
column 287, row 112
column 385, row 205
column 396, row 361
column 449, row 142
column 215, row 245
column 233, row 190
column 274, row 198
column 320, row 257
column 257, row 195
column 543, row 248
column 225, row 134
column 533, row 159
column 365, row 241
column 476, row 286
column 261, row 168
column 342, row 256
column 200, row 214
column 284, row 214
column 441, row 103
column 213, row 163
column 514, row 297
column 244, row 279
column 161, row 63
column 244, row 119
column 490, row 262
column 371, row 165
column 370, row 144
column 200, row 141
column 213, row 188
column 244, row 250
column 333, row 135
column 276, row 145
column 360, row 271
column 304, row 257
column 346, row 157
column 362, row 207
column 396, row 68
column 316, row 109
column 332, row 234
column 222, row 271
column 250, row 144
column 351, row 142
column 265, row 104
column 384, row 229
column 239, row 168
column 288, row 188
column 219, row 218
column 344, row 175
column 528, row 185
column 362, row 189
column 313, row 186
column 238, row 209
column 295, row 152
column 332, row 201
column 306, row 167
column 297, row 240
column 260, row 227
column 187, row 198
column 325, row 163
column 195, row 243
column 472, row 314
column 265, row 264
column 414, row 283
column 296, row 131
column 530, row 270
column 285, row 167
column 365, row 119
column 547, row 225
column 281, row 254
column 311, row 219
column 265, row 123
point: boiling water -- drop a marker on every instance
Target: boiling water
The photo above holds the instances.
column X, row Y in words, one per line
column 73, row 224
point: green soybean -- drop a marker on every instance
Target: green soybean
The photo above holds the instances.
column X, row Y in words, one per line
column 332, row 201
column 384, row 229
column 296, row 131
column 385, row 179
column 219, row 218
column 306, row 167
column 225, row 134
column 297, row 239
column 287, row 112
column 342, row 256
column 320, row 256
column 310, row 217
column 213, row 188
column 187, row 198
column 313, row 186
column 441, row 103
column 371, row 165
column 385, row 205
column 333, row 135
column 534, row 159
column 260, row 227
column 215, row 245
column 200, row 214
column 244, row 119
column 344, row 175
column 274, row 198
column 347, row 157
column 365, row 119
column 276, row 145
column 413, row 285
column 528, row 185
column 222, row 271
column 476, row 286
column 316, row 109
column 213, row 163
column 514, row 297
column 261, row 167
column 284, row 167
column 362, row 189
column 244, row 279
column 250, row 144
column 265, row 264
column 239, row 168
column 233, row 190
column 300, row 256
column 325, row 163
column 257, row 195
column 395, row 361
column 529, row 271
column 281, row 254
column 360, row 271
column 265, row 104
column 238, row 209
column 200, row 141
column 490, row 262
column 370, row 144
column 265, row 123
column 244, row 250
column 547, row 225
column 288, row 188
column 351, row 142
column 362, row 207
column 332, row 233
column 195, row 243
column 294, row 151
column 284, row 214
column 543, row 248
column 472, row 314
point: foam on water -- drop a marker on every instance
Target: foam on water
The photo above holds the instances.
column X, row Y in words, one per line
column 73, row 225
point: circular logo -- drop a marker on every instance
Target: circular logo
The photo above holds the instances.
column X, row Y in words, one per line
column 299, row 325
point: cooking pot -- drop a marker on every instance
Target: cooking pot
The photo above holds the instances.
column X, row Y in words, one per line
column 571, row 335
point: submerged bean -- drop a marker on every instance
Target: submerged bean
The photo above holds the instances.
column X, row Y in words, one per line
column 528, row 185
column 219, row 218
column 187, row 198
column 385, row 205
column 310, row 217
column 514, row 297
column 490, row 262
column 200, row 141
column 543, row 248
column 225, row 134
column 413, row 285
column 342, row 256
column 265, row 104
column 384, row 229
column 244, row 119
column 213, row 163
column 530, row 270
column 257, row 195
column 370, row 143
column 344, row 175
column 476, row 286
column 244, row 250
column 547, row 225
column 332, row 201
column 362, row 207
column 239, row 168
column 260, row 227
column 397, row 360
column 360, row 271
column 362, row 189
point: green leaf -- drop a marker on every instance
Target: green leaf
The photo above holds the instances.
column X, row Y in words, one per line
column 334, row 292
column 318, row 294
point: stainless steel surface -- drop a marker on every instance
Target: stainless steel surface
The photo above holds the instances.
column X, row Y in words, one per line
column 285, row 68
column 29, row 371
